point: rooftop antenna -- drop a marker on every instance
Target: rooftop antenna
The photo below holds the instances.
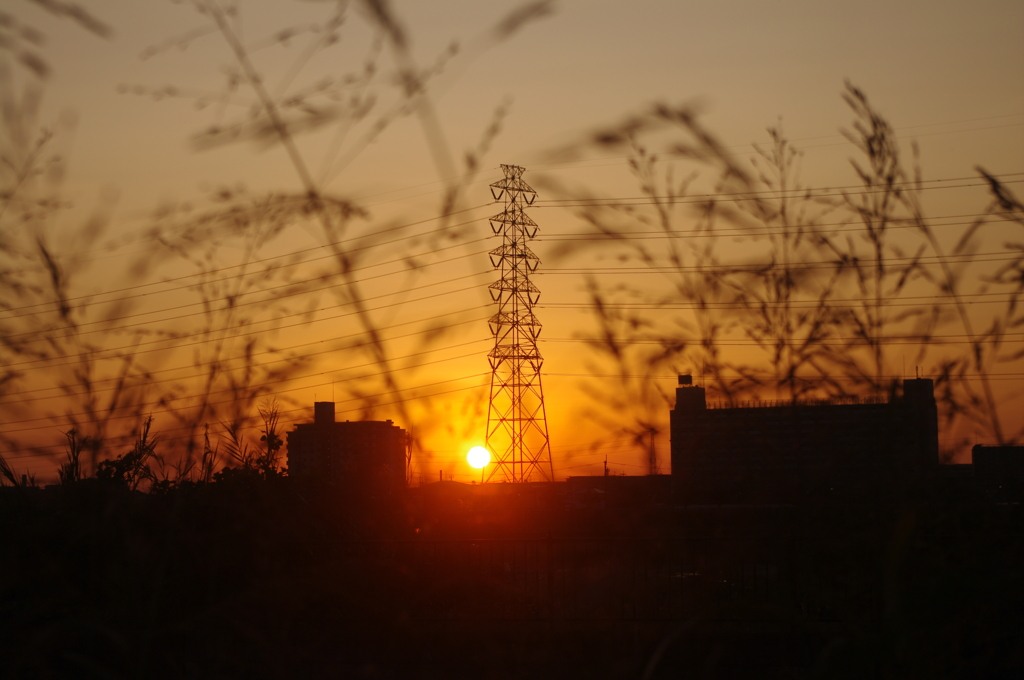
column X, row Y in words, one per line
column 517, row 425
column 652, row 455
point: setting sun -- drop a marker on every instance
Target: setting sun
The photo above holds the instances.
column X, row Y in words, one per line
column 478, row 456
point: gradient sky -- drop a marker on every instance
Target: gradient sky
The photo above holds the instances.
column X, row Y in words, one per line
column 948, row 74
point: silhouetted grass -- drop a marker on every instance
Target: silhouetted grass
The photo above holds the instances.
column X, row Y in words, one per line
column 807, row 276
column 107, row 365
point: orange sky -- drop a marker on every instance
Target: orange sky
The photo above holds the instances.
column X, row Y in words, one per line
column 945, row 74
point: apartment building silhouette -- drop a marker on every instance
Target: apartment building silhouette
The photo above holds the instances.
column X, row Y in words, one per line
column 368, row 452
column 756, row 453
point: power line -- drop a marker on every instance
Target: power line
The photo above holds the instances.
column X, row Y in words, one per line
column 739, row 196
column 701, row 198
column 432, row 329
column 254, row 262
column 741, row 306
column 819, row 378
column 597, row 203
column 297, row 252
column 778, row 193
column 130, row 438
column 82, row 355
column 570, row 164
column 810, row 264
column 555, row 237
column 786, row 302
column 271, row 382
column 231, row 401
column 846, row 143
column 562, row 271
column 240, row 304
column 237, row 266
column 751, row 230
column 796, row 343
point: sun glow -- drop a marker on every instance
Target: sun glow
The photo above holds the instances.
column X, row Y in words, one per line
column 478, row 456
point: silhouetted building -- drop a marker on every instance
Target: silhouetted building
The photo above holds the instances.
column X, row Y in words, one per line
column 784, row 452
column 617, row 490
column 369, row 452
column 999, row 471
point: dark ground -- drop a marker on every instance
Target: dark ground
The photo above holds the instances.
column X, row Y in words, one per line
column 252, row 577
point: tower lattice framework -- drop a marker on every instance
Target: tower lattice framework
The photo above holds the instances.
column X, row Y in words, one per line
column 517, row 426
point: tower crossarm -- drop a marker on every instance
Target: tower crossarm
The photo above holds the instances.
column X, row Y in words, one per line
column 511, row 286
column 515, row 249
column 513, row 216
column 512, row 182
column 529, row 352
column 526, row 319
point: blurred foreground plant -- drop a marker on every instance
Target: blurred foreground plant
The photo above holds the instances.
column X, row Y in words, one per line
column 111, row 369
column 811, row 278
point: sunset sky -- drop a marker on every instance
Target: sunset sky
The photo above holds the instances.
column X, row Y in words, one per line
column 947, row 75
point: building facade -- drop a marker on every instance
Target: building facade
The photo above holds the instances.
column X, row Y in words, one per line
column 789, row 453
column 367, row 452
column 999, row 472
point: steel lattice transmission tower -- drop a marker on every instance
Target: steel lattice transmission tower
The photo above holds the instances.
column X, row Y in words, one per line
column 517, row 426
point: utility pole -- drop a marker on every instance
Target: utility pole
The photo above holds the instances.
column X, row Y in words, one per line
column 517, row 426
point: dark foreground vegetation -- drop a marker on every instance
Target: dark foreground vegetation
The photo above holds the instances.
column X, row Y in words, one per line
column 256, row 576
